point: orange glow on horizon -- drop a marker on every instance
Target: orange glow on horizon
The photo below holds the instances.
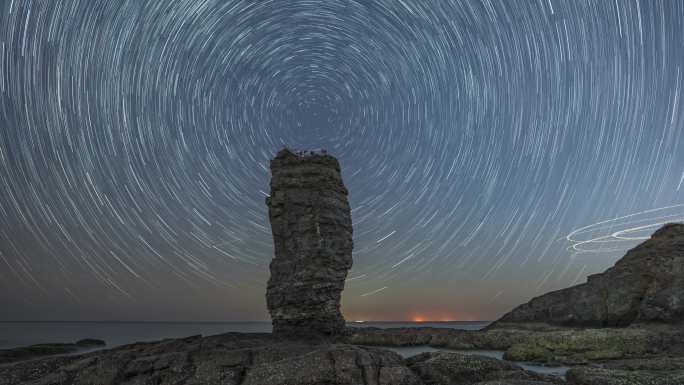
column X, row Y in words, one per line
column 429, row 318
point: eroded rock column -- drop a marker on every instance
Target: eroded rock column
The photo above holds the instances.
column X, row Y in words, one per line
column 312, row 233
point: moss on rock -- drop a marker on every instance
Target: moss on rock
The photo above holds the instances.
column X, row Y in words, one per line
column 599, row 376
column 579, row 346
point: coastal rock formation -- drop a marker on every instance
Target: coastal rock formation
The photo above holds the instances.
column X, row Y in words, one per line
column 651, row 371
column 646, row 285
column 312, row 234
column 264, row 359
column 41, row 350
column 600, row 376
column 541, row 343
column 462, row 369
column 229, row 359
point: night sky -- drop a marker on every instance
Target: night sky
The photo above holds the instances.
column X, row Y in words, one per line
column 494, row 150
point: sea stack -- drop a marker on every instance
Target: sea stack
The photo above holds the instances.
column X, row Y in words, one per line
column 646, row 285
column 312, row 235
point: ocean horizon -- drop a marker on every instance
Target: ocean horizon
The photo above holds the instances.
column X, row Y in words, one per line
column 116, row 333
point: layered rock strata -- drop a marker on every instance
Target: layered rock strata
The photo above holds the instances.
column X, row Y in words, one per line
column 312, row 234
column 646, row 285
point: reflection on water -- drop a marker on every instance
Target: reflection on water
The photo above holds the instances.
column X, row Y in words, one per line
column 409, row 351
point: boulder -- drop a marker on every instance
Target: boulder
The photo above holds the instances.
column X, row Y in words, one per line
column 312, row 235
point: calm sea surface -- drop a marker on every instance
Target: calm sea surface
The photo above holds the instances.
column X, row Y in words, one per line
column 14, row 334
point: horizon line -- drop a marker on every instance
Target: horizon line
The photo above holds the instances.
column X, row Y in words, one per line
column 221, row 322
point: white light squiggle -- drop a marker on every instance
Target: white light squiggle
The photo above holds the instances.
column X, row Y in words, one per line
column 593, row 238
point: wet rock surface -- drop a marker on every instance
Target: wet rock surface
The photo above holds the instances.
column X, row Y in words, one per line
column 646, row 285
column 312, row 233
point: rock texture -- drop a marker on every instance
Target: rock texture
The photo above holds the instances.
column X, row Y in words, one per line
column 229, row 359
column 264, row 359
column 646, row 285
column 312, row 233
column 454, row 368
column 41, row 350
column 544, row 344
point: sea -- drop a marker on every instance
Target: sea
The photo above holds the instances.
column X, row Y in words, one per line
column 15, row 334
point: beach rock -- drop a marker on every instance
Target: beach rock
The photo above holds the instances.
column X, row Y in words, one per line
column 646, row 285
column 229, row 359
column 462, row 369
column 312, row 234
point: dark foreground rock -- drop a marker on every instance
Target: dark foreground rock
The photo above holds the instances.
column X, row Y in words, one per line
column 41, row 350
column 646, row 285
column 499, row 339
column 540, row 343
column 312, row 234
column 454, row 368
column 658, row 371
column 262, row 359
column 581, row 346
column 234, row 358
column 599, row 376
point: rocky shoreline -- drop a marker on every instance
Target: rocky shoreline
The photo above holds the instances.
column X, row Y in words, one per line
column 264, row 359
column 622, row 327
column 541, row 344
column 639, row 354
column 648, row 354
column 49, row 349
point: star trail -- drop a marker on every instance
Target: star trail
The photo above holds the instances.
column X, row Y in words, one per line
column 493, row 150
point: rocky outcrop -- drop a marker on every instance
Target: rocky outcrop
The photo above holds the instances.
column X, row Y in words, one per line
column 264, row 359
column 650, row 371
column 646, row 285
column 455, row 368
column 543, row 344
column 41, row 350
column 600, row 376
column 229, row 359
column 497, row 339
column 312, row 234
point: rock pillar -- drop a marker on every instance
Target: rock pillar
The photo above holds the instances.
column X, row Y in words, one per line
column 312, row 234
